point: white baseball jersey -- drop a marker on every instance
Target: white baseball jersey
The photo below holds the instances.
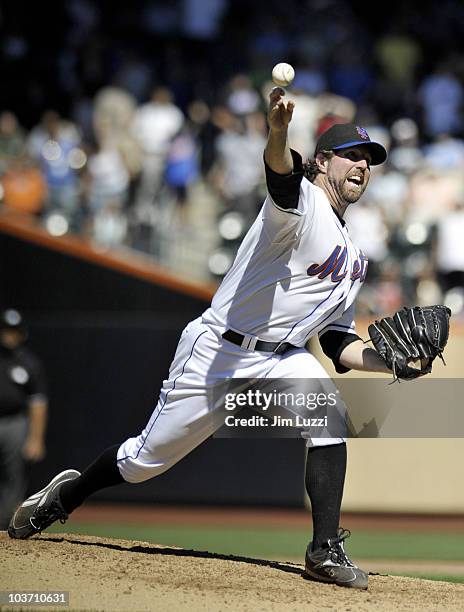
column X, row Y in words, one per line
column 296, row 274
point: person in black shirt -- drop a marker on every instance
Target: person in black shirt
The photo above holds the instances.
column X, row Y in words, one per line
column 23, row 412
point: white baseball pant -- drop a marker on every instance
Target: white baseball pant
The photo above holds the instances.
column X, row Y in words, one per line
column 186, row 415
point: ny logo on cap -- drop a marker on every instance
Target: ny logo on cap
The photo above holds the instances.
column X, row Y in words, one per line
column 362, row 132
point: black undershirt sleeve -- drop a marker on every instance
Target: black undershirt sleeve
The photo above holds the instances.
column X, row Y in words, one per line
column 333, row 343
column 284, row 189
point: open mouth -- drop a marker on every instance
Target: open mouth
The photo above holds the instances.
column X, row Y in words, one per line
column 356, row 180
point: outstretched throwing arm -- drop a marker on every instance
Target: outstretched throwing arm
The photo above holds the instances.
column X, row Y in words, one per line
column 277, row 153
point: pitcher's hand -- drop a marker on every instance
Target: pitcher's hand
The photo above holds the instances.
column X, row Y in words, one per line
column 280, row 112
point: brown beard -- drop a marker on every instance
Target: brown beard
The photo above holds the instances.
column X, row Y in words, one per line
column 350, row 195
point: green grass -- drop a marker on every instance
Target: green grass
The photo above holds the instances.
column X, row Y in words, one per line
column 401, row 546
column 251, row 542
column 425, row 576
column 283, row 544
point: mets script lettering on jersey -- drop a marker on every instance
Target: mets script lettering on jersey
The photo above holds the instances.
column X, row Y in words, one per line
column 335, row 263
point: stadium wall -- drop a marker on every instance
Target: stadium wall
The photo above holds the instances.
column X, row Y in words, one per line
column 107, row 340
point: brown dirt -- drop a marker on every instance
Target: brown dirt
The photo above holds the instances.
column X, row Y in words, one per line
column 111, row 575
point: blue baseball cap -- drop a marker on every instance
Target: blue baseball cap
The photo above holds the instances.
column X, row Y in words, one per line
column 346, row 135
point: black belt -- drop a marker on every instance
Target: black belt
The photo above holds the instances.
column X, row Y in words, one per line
column 279, row 348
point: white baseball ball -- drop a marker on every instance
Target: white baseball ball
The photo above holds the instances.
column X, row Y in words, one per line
column 283, row 74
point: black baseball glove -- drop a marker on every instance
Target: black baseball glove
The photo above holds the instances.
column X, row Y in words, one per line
column 410, row 340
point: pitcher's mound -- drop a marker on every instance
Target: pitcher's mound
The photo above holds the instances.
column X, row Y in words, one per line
column 107, row 574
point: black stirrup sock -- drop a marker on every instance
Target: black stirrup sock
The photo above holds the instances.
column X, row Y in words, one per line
column 103, row 472
column 325, row 478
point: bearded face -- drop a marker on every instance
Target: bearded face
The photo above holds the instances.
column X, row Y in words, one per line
column 348, row 173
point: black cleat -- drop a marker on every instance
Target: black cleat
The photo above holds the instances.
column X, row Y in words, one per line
column 40, row 510
column 330, row 563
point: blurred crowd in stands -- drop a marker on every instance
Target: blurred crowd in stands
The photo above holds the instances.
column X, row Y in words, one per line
column 144, row 128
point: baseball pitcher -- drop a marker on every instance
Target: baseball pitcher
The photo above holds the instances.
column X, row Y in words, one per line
column 296, row 275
